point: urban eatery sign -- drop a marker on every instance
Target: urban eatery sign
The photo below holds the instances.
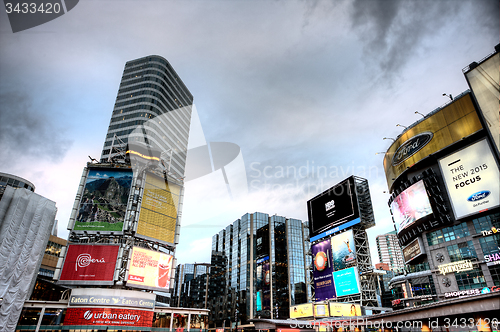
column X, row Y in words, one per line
column 459, row 266
column 410, row 147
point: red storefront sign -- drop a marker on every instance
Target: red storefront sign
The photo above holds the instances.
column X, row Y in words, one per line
column 90, row 262
column 108, row 316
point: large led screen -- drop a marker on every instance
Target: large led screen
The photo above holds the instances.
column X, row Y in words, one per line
column 263, row 285
column 89, row 264
column 149, row 269
column 346, row 281
column 158, row 215
column 472, row 179
column 323, row 268
column 411, row 205
column 302, row 310
column 343, row 250
column 333, row 208
column 104, row 200
column 344, row 309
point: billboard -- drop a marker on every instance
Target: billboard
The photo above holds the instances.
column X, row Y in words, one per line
column 104, row 200
column 343, row 250
column 149, row 269
column 333, row 208
column 323, row 268
column 89, row 264
column 320, row 310
column 433, row 133
column 158, row 215
column 346, row 281
column 472, row 179
column 410, row 205
column 413, row 250
column 344, row 309
column 263, row 284
column 108, row 316
column 302, row 310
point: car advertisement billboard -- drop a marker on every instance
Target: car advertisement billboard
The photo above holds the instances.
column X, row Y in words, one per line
column 149, row 269
column 104, row 200
column 346, row 281
column 472, row 179
column 108, row 316
column 323, row 268
column 433, row 133
column 158, row 215
column 333, row 207
column 343, row 250
column 302, row 310
column 410, row 205
column 344, row 309
column 89, row 264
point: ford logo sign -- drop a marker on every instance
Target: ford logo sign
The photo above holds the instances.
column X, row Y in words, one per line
column 410, row 147
column 478, row 196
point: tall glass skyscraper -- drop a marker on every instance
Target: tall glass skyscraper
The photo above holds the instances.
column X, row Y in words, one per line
column 258, row 268
column 153, row 106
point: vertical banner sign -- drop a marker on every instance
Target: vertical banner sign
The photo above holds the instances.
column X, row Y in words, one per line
column 343, row 250
column 472, row 179
column 149, row 269
column 323, row 268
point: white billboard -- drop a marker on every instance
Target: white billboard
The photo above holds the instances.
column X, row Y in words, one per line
column 472, row 179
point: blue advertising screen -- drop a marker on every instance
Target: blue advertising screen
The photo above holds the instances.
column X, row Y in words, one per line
column 346, row 281
column 323, row 268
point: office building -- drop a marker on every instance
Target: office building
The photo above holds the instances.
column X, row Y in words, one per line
column 258, row 269
column 389, row 250
column 191, row 285
column 153, row 107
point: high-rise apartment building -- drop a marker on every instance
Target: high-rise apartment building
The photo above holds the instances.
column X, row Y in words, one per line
column 389, row 250
column 258, row 268
column 153, row 107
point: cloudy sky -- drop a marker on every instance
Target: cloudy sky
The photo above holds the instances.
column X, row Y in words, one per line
column 297, row 85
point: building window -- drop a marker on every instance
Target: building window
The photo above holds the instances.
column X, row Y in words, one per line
column 461, row 251
column 490, row 244
column 448, row 234
column 495, row 274
column 470, row 279
column 435, row 237
column 487, row 222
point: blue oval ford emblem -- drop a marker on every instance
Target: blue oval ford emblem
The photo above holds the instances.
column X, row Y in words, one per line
column 478, row 196
column 410, row 147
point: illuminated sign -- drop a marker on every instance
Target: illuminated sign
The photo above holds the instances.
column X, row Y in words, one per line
column 410, row 147
column 344, row 309
column 108, row 316
column 89, row 264
column 158, row 215
column 467, row 292
column 323, row 268
column 303, row 310
column 332, row 208
column 413, row 250
column 493, row 259
column 83, row 300
column 411, row 205
column 320, row 310
column 459, row 266
column 489, row 232
column 472, row 179
column 104, row 200
column 343, row 250
column 149, row 269
column 346, row 281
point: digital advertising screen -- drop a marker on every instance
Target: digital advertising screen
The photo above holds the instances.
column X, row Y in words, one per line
column 344, row 309
column 158, row 215
column 472, row 179
column 413, row 250
column 323, row 268
column 302, row 310
column 263, row 285
column 149, row 269
column 346, row 281
column 89, row 264
column 410, row 205
column 343, row 250
column 104, row 200
column 321, row 310
column 333, row 207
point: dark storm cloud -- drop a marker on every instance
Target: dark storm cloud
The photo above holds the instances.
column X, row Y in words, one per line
column 393, row 31
column 26, row 131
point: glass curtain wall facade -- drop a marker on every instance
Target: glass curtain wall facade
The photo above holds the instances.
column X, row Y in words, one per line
column 260, row 261
column 150, row 88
